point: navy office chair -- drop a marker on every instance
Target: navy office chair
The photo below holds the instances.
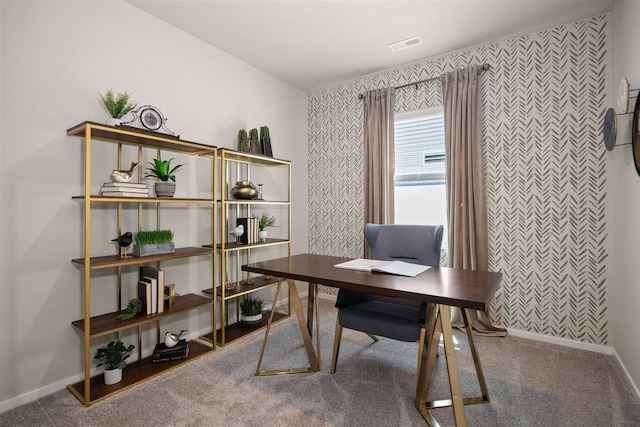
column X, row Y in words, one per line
column 394, row 318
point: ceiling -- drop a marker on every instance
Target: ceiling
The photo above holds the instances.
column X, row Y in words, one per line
column 314, row 44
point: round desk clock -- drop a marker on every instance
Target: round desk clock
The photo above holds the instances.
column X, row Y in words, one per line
column 152, row 119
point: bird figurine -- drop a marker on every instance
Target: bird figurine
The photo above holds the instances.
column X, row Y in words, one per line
column 171, row 339
column 123, row 175
column 237, row 232
column 123, row 242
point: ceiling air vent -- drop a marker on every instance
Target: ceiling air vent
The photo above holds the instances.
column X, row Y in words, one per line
column 404, row 44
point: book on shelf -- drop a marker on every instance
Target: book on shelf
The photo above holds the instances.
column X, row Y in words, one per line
column 122, row 194
column 144, row 295
column 399, row 268
column 161, row 348
column 153, row 282
column 124, row 190
column 162, row 353
column 155, row 275
column 124, row 185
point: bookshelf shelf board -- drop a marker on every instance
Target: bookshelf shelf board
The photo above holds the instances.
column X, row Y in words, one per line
column 255, row 159
column 135, row 373
column 108, row 323
column 233, row 246
column 236, row 331
column 103, row 199
column 256, row 202
column 140, row 138
column 244, row 287
column 115, row 261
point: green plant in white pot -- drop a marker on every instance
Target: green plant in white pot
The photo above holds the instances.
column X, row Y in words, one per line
column 165, row 186
column 264, row 222
column 112, row 357
column 251, row 308
column 117, row 105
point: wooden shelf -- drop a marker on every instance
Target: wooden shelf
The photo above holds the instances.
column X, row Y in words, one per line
column 236, row 331
column 140, row 138
column 108, row 323
column 115, row 261
column 255, row 159
column 244, row 287
column 96, row 198
column 135, row 373
column 233, row 246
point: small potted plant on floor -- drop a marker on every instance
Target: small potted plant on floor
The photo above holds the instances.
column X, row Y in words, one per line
column 265, row 221
column 153, row 242
column 113, row 357
column 165, row 185
column 251, row 311
column 117, row 105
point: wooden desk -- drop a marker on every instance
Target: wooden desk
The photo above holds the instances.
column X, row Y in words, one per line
column 443, row 287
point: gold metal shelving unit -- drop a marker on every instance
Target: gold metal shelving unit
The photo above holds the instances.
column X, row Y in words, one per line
column 91, row 390
column 227, row 290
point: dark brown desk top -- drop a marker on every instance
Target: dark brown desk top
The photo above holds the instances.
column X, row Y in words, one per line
column 442, row 285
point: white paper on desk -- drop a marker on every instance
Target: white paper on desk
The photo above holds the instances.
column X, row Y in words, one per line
column 399, row 268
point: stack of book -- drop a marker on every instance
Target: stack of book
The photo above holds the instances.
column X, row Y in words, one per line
column 250, row 230
column 124, row 189
column 151, row 289
column 162, row 353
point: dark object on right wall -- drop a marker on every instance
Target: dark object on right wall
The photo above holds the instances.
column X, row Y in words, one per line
column 635, row 136
column 265, row 141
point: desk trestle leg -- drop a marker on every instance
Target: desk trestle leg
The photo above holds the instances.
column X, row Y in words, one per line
column 428, row 360
column 314, row 359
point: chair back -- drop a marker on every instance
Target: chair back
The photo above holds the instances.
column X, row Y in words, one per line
column 417, row 244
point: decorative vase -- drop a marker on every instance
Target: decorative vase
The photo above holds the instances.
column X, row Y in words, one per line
column 113, row 121
column 262, row 235
column 112, row 376
column 251, row 321
column 165, row 188
column 244, row 190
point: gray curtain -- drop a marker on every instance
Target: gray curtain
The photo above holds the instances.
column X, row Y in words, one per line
column 466, row 204
column 378, row 156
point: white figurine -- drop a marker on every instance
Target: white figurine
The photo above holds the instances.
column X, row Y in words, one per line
column 171, row 339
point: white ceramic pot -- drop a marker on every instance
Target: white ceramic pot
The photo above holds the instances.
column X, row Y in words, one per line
column 112, row 376
column 262, row 235
column 251, row 321
column 114, row 122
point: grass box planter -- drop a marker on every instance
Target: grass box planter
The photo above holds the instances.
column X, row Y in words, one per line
column 154, row 249
column 154, row 242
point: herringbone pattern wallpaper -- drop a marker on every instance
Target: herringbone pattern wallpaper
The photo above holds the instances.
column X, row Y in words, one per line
column 543, row 101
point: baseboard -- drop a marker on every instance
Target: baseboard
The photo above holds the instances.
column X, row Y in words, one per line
column 36, row 394
column 634, row 386
column 561, row 341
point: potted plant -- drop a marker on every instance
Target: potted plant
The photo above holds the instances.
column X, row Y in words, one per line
column 117, row 105
column 165, row 185
column 243, row 140
column 153, row 242
column 265, row 221
column 251, row 310
column 113, row 357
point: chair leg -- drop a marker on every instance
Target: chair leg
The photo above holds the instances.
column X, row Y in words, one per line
column 373, row 337
column 336, row 346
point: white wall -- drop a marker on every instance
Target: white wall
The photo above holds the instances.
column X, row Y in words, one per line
column 624, row 290
column 56, row 57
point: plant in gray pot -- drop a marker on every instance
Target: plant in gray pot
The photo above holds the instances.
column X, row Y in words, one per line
column 251, row 311
column 113, row 357
column 165, row 186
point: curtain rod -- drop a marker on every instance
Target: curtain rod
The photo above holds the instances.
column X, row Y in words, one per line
column 484, row 67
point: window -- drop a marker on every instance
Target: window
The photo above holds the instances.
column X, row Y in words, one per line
column 420, row 196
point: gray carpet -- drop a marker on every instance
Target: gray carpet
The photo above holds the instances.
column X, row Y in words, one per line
column 530, row 384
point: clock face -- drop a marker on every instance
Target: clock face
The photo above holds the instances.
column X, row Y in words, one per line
column 151, row 118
